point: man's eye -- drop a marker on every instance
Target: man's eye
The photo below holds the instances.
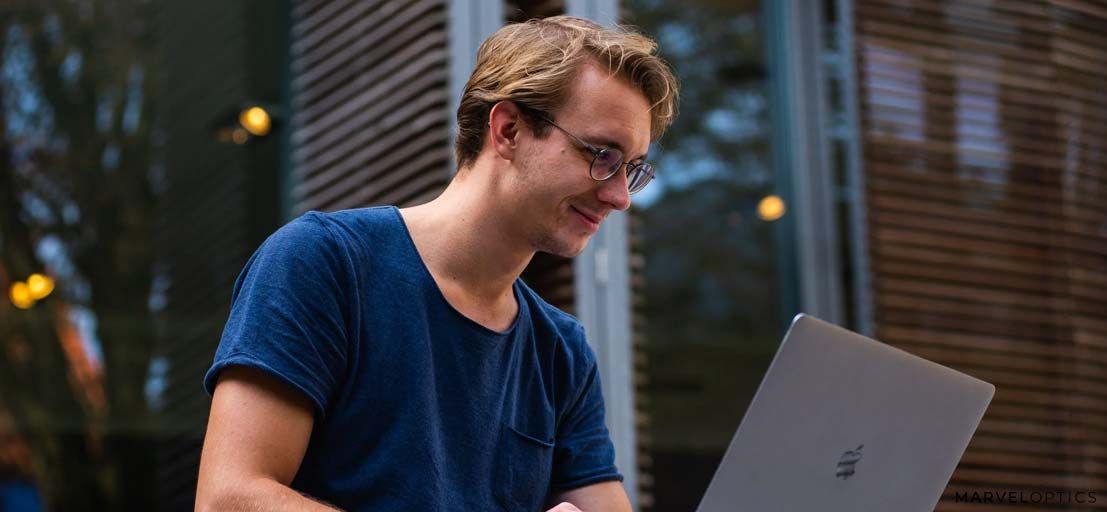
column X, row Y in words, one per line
column 608, row 157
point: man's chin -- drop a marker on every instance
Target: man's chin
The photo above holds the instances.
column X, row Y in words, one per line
column 574, row 253
column 566, row 249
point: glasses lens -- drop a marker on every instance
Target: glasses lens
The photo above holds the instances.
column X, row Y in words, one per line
column 606, row 163
column 638, row 176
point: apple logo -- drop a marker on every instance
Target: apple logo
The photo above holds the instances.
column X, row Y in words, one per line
column 848, row 461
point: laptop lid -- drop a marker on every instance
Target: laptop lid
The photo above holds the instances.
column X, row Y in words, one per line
column 845, row 423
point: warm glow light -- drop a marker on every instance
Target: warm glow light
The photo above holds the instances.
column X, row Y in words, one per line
column 255, row 120
column 40, row 286
column 21, row 295
column 239, row 136
column 771, row 208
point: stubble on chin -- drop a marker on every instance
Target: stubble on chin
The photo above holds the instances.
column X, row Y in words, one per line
column 548, row 243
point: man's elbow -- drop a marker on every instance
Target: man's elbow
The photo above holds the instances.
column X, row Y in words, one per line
column 229, row 496
column 259, row 493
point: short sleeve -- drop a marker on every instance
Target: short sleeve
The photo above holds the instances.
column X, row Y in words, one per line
column 289, row 312
column 583, row 451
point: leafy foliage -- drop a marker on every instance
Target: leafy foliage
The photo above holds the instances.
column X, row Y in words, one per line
column 78, row 191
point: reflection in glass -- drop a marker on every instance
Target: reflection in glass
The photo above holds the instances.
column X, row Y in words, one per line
column 711, row 309
column 76, row 213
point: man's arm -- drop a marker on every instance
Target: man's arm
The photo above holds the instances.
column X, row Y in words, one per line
column 601, row 497
column 257, row 434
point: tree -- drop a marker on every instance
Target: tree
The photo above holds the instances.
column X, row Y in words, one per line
column 77, row 202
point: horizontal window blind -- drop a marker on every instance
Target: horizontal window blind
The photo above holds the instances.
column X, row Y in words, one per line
column 984, row 135
column 370, row 123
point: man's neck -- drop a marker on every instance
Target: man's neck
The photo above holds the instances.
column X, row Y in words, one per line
column 469, row 246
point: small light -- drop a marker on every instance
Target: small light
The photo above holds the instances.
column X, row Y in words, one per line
column 239, row 136
column 20, row 295
column 771, row 208
column 40, row 286
column 256, row 121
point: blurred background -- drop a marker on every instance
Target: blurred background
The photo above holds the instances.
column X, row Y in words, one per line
column 929, row 172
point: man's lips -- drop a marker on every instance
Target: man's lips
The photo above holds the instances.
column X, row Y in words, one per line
column 592, row 218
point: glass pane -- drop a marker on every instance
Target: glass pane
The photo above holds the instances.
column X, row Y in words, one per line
column 131, row 195
column 76, row 215
column 708, row 227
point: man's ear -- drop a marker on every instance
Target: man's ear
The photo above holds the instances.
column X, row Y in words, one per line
column 504, row 124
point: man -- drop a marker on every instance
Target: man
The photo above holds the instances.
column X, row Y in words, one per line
column 384, row 359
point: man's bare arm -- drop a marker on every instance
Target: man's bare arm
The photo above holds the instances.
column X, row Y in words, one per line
column 257, row 434
column 601, row 497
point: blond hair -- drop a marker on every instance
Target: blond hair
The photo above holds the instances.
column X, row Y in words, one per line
column 534, row 63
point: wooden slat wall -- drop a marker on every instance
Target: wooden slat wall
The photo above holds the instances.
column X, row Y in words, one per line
column 517, row 11
column 640, row 362
column 211, row 217
column 369, row 112
column 984, row 129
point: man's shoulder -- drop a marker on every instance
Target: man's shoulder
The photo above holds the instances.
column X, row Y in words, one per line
column 567, row 327
column 360, row 233
column 356, row 221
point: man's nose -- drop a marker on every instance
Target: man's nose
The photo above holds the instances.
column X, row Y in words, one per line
column 614, row 192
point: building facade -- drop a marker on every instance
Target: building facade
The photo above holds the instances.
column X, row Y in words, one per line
column 931, row 173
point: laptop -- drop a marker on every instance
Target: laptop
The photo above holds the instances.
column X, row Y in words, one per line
column 842, row 422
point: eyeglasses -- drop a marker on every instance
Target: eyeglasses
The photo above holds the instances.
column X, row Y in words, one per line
column 607, row 161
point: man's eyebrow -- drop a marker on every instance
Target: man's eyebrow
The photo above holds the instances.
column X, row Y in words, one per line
column 609, row 143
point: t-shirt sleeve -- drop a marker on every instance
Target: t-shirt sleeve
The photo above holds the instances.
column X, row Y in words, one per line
column 289, row 312
column 583, row 451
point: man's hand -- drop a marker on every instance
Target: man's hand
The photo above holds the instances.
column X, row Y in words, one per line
column 564, row 506
column 604, row 496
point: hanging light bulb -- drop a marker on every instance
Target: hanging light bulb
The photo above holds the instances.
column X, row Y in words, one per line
column 256, row 121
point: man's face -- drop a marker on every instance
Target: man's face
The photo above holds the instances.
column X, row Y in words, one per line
column 560, row 205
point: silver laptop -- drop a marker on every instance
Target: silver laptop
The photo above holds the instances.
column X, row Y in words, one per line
column 845, row 423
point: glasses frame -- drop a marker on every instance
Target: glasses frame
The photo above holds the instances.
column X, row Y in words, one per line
column 596, row 152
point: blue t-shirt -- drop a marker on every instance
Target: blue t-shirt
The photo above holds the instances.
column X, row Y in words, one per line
column 417, row 407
